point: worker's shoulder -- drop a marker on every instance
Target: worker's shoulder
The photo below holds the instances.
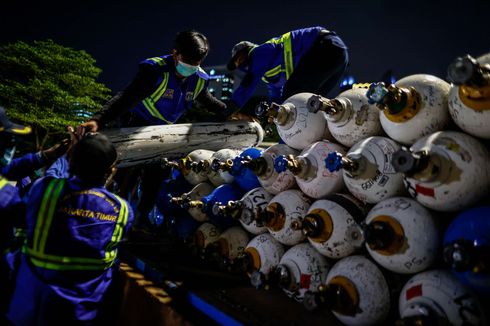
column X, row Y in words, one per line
column 201, row 73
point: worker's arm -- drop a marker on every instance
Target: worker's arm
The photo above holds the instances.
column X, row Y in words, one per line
column 140, row 88
column 260, row 61
column 223, row 110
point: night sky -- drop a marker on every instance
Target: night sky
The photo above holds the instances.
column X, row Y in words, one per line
column 418, row 36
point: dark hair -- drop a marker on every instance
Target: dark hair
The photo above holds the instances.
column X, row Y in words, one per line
column 193, row 45
column 92, row 157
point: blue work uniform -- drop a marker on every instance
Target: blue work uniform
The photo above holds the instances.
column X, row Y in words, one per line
column 11, row 209
column 172, row 96
column 69, row 258
column 12, row 212
column 23, row 166
column 274, row 62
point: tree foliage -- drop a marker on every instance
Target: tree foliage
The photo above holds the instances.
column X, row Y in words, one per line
column 48, row 86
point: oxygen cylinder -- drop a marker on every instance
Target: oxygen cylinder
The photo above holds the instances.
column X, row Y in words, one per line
column 300, row 269
column 168, row 188
column 188, row 164
column 469, row 98
column 247, row 209
column 437, row 298
column 221, row 194
column 230, row 244
column 205, row 234
column 446, row 171
column 238, row 168
column 368, row 173
column 201, row 190
column 284, row 215
column 219, row 177
column 312, row 176
column 296, row 125
column 183, row 226
column 350, row 117
column 356, row 292
column 269, row 178
column 261, row 255
column 332, row 225
column 401, row 235
column 467, row 248
column 413, row 107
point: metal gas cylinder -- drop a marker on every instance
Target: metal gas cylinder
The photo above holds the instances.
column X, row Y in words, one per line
column 284, row 215
column 469, row 98
column 182, row 226
column 188, row 164
column 221, row 194
column 199, row 191
column 446, row 171
column 217, row 178
column 413, row 107
column 436, row 297
column 300, row 269
column 312, row 176
column 350, row 116
column 368, row 173
column 263, row 167
column 237, row 167
column 332, row 225
column 467, row 248
column 356, row 292
column 401, row 235
column 246, row 209
column 205, row 234
column 296, row 125
column 230, row 244
column 168, row 188
column 262, row 254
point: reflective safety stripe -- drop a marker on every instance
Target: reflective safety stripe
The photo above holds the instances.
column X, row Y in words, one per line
column 122, row 220
column 160, row 89
column 150, row 101
column 45, row 216
column 46, row 212
column 66, row 263
column 3, row 182
column 158, row 60
column 199, row 87
column 285, row 39
column 288, row 54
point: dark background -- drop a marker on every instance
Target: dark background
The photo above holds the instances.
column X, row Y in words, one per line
column 408, row 37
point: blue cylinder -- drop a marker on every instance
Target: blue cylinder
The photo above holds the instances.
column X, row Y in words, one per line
column 169, row 188
column 222, row 194
column 183, row 226
column 467, row 248
column 244, row 177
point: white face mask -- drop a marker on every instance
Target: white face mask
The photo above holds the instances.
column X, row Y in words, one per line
column 185, row 69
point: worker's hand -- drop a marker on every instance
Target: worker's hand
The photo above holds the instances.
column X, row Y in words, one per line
column 238, row 116
column 88, row 126
column 52, row 153
column 61, row 148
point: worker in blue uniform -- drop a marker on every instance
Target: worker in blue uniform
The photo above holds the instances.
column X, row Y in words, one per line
column 305, row 60
column 11, row 205
column 164, row 88
column 74, row 227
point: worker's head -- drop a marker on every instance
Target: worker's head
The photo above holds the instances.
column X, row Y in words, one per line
column 239, row 54
column 8, row 131
column 190, row 49
column 93, row 159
